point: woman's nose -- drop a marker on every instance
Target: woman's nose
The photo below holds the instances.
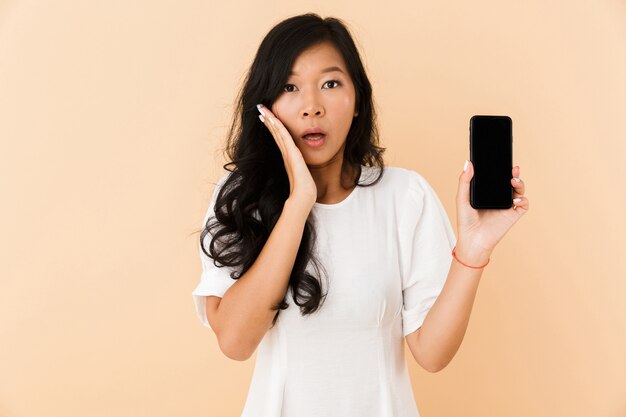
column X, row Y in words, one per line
column 309, row 112
column 311, row 106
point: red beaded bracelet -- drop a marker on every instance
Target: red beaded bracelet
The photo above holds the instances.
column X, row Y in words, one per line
column 469, row 266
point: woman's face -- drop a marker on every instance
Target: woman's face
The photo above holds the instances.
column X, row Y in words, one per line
column 319, row 93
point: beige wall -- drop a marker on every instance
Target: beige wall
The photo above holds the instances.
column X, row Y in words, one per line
column 111, row 119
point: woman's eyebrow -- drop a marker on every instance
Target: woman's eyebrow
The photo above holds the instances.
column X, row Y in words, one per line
column 325, row 70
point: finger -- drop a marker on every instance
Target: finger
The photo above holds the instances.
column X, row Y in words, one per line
column 521, row 203
column 463, row 193
column 281, row 129
column 268, row 125
column 519, row 188
column 271, row 119
column 288, row 141
column 267, row 114
column 267, row 119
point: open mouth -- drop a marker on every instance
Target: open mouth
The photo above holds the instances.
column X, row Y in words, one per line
column 314, row 140
column 314, row 136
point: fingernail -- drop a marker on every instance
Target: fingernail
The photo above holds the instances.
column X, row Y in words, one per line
column 517, row 180
column 258, row 106
column 262, row 118
column 465, row 166
column 517, row 200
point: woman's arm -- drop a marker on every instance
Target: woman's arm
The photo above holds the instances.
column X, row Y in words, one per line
column 244, row 314
column 435, row 343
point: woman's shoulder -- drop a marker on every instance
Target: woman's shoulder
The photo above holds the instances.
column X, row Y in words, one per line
column 402, row 179
column 222, row 178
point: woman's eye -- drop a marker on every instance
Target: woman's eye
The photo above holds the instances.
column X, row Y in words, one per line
column 287, row 87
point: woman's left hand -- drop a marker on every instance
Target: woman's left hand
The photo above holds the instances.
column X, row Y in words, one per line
column 485, row 227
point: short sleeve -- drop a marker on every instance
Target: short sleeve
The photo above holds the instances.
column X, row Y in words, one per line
column 426, row 252
column 214, row 280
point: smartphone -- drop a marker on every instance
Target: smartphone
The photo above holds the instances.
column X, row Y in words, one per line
column 491, row 153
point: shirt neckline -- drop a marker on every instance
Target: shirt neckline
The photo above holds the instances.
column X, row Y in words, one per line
column 345, row 200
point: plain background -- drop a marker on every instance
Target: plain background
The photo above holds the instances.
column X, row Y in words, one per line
column 112, row 116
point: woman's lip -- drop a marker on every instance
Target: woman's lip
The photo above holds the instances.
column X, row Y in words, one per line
column 315, row 143
column 314, row 130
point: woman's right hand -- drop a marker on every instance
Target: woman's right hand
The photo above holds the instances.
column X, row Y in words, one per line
column 301, row 185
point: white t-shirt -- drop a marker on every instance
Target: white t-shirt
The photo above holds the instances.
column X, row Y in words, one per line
column 386, row 250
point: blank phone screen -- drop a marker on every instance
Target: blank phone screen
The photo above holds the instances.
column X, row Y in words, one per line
column 492, row 156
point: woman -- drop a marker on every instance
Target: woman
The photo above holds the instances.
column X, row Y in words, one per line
column 303, row 142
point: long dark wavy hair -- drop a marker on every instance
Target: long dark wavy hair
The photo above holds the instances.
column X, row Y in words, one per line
column 252, row 197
